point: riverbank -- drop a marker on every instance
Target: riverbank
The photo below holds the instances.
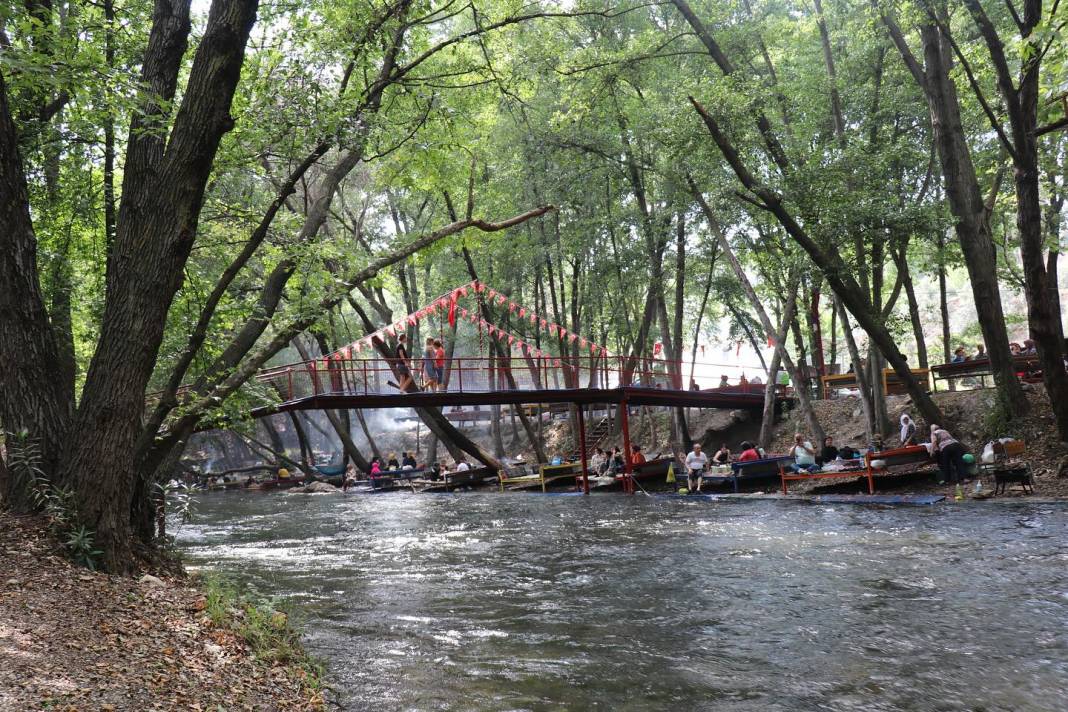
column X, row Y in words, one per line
column 74, row 639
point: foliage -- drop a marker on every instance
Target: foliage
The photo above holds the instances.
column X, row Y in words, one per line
column 263, row 625
column 57, row 503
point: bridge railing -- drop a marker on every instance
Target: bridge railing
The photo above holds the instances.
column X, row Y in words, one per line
column 382, row 376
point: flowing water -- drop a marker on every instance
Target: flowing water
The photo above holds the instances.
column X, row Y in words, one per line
column 530, row 602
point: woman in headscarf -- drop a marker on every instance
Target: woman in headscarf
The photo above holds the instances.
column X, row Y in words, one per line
column 908, row 431
column 950, row 455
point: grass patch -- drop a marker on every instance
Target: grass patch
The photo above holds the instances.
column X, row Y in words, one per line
column 264, row 625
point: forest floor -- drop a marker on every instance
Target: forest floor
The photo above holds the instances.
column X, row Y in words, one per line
column 72, row 639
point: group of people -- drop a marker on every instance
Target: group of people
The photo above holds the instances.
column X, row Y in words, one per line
column 960, row 354
column 611, row 462
column 697, row 461
column 406, row 462
column 724, row 382
column 432, row 368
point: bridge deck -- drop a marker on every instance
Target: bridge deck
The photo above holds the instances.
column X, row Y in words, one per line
column 634, row 395
column 370, row 383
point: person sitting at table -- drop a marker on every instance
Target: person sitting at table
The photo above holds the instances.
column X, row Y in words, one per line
column 597, row 461
column 749, row 452
column 462, row 466
column 959, row 356
column 376, row 468
column 694, row 386
column 829, row 453
column 723, row 383
column 1014, row 349
column 848, row 452
column 392, row 463
column 722, row 456
column 804, row 454
column 1029, row 348
column 407, row 461
column 980, row 353
column 757, row 381
column 876, row 444
column 637, row 457
column 908, row 430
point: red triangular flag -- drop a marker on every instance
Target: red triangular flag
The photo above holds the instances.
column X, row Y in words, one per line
column 452, row 310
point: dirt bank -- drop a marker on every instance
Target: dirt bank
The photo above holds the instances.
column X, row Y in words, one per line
column 71, row 639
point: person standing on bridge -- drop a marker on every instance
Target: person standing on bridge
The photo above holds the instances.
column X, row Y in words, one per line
column 430, row 377
column 404, row 371
column 439, row 364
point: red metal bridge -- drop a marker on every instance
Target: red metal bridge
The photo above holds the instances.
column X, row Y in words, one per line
column 343, row 382
column 339, row 382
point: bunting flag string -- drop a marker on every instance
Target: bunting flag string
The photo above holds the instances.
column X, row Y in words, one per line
column 447, row 304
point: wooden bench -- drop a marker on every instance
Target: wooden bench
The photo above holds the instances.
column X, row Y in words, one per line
column 788, row 476
column 892, row 384
column 544, row 474
column 888, row 458
column 981, row 369
column 749, row 470
column 1006, row 473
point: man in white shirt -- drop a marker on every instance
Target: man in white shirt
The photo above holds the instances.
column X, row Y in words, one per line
column 462, row 466
column 696, row 462
column 804, row 454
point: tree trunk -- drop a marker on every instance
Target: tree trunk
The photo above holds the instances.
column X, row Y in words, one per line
column 804, row 402
column 767, row 421
column 858, row 368
column 33, row 398
column 914, row 307
column 965, row 202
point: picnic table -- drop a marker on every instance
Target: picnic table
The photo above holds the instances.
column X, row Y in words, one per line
column 1027, row 365
column 892, row 383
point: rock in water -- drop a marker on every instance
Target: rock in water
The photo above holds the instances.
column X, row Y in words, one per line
column 318, row 488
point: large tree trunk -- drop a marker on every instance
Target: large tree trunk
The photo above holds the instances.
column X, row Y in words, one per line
column 767, row 421
column 164, row 182
column 965, row 202
column 33, row 398
column 804, row 402
column 830, row 264
column 858, row 368
column 914, row 307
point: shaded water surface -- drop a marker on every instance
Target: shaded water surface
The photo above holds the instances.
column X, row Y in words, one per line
column 528, row 602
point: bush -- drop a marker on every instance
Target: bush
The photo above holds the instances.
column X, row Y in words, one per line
column 57, row 503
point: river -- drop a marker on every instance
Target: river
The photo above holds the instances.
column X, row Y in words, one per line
column 531, row 602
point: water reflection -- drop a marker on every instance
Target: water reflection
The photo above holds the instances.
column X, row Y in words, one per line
column 491, row 602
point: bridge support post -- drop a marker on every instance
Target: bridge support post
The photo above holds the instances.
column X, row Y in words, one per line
column 582, row 449
column 628, row 468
